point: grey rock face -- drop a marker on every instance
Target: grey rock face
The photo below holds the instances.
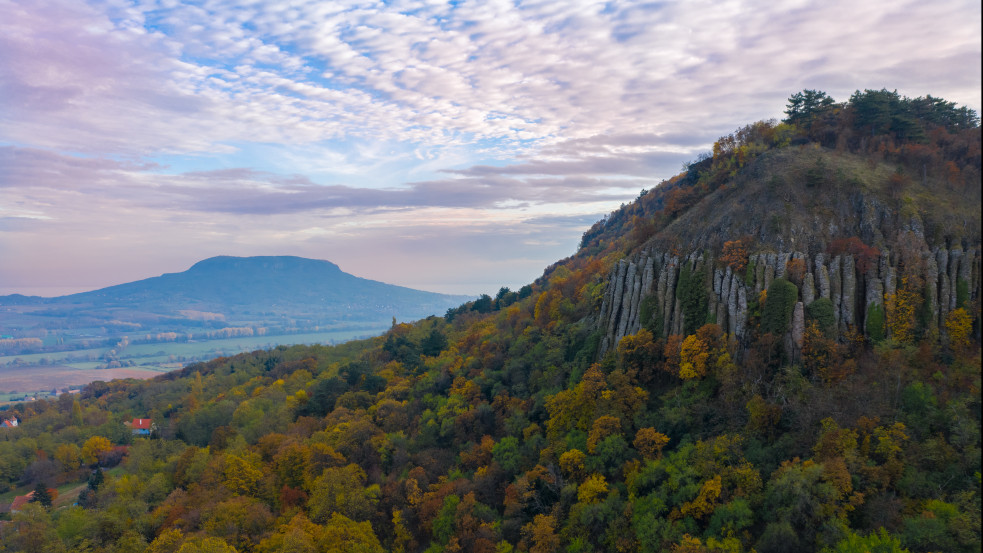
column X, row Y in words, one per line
column 720, row 311
column 808, row 289
column 733, row 315
column 669, row 306
column 835, row 289
column 955, row 260
column 630, row 290
column 655, row 274
column 848, row 293
column 932, row 291
column 966, row 269
column 874, row 296
column 822, row 275
column 942, row 258
column 798, row 324
column 740, row 319
column 677, row 318
column 890, row 281
column 759, row 274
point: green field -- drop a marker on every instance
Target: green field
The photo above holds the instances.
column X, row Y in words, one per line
column 153, row 354
column 171, row 352
column 43, row 372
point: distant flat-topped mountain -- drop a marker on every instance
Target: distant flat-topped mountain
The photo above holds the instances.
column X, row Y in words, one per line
column 280, row 291
column 270, row 284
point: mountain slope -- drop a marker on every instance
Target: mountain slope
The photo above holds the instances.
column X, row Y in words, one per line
column 525, row 423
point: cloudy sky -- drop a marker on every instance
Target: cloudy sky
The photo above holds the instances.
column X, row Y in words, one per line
column 450, row 146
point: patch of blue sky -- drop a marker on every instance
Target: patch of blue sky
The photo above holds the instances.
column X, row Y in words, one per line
column 356, row 163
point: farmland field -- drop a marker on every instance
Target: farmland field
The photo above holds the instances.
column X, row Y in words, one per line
column 38, row 372
column 35, row 378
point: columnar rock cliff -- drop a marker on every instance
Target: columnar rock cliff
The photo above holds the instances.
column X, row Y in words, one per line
column 837, row 278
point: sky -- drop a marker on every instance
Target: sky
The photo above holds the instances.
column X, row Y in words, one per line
column 448, row 146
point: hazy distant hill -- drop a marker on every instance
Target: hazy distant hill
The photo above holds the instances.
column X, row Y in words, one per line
column 282, row 284
column 251, row 287
column 220, row 296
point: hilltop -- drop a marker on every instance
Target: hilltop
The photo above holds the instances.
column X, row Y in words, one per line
column 776, row 350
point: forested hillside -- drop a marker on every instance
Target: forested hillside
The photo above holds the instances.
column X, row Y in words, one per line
column 776, row 350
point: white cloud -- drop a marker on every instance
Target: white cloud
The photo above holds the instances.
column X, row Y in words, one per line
column 330, row 108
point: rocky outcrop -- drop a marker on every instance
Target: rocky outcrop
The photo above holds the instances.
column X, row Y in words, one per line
column 808, row 289
column 848, row 292
column 656, row 274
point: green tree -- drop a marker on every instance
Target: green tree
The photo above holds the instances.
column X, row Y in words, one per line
column 33, row 532
column 875, row 323
column 434, row 343
column 875, row 542
column 41, row 495
column 692, row 293
column 779, row 304
column 508, row 454
column 77, row 413
column 803, row 107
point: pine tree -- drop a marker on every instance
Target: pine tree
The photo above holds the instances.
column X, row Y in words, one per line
column 95, row 479
column 41, row 495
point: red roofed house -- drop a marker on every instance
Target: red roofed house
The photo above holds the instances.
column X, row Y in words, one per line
column 9, row 423
column 20, row 501
column 141, row 426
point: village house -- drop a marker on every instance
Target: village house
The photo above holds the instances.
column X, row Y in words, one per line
column 9, row 423
column 20, row 501
column 141, row 427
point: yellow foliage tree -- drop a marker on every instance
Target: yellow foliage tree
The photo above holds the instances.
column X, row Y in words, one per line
column 705, row 501
column 167, row 542
column 603, row 427
column 242, row 474
column 649, row 443
column 542, row 533
column 93, row 447
column 901, row 308
column 206, row 545
column 959, row 325
column 343, row 535
column 572, row 464
column 693, row 358
column 593, row 489
column 69, row 455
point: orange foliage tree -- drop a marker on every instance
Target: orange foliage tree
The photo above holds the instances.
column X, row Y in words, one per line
column 795, row 270
column 864, row 255
column 735, row 254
